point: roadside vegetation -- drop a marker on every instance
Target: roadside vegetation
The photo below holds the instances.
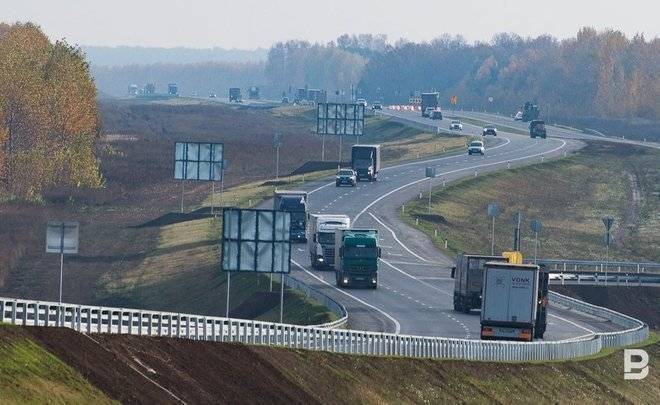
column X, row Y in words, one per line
column 138, row 250
column 237, row 373
column 570, row 196
column 31, row 374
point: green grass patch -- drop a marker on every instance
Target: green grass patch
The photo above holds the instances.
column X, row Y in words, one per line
column 30, row 374
column 570, row 196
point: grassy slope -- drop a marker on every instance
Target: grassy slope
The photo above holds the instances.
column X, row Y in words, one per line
column 181, row 270
column 570, row 196
column 30, row 374
column 235, row 373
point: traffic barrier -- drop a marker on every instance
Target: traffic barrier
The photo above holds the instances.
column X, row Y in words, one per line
column 97, row 319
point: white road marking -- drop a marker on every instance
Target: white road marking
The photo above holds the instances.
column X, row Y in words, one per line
column 397, row 325
column 397, row 239
column 415, row 278
column 563, row 143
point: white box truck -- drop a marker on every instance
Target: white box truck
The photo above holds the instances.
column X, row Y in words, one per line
column 321, row 238
column 510, row 300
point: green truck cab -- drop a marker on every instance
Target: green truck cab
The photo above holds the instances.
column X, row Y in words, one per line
column 356, row 257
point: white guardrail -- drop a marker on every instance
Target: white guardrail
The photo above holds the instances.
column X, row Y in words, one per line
column 95, row 319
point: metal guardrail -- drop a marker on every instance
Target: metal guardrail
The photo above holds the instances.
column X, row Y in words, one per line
column 94, row 319
column 335, row 307
column 600, row 265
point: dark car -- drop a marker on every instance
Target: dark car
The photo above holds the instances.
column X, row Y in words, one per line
column 489, row 130
column 436, row 115
column 346, row 176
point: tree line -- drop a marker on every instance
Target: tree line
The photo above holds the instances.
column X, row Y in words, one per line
column 602, row 74
column 48, row 114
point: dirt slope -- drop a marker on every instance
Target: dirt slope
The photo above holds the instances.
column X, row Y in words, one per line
column 206, row 372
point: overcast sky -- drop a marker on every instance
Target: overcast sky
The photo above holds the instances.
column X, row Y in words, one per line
column 250, row 24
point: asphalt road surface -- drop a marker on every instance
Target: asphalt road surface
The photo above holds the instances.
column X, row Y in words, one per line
column 415, row 291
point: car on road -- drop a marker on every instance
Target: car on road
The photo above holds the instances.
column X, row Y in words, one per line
column 213, row 95
column 377, row 106
column 476, row 147
column 285, row 100
column 518, row 116
column 455, row 126
column 436, row 115
column 362, row 101
column 489, row 130
column 346, row 176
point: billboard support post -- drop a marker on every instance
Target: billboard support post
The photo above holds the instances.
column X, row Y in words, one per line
column 61, row 262
column 281, row 296
column 213, row 198
column 339, row 160
column 183, row 182
column 228, row 288
column 62, row 238
column 322, row 148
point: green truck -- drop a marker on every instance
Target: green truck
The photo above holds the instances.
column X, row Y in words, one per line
column 356, row 257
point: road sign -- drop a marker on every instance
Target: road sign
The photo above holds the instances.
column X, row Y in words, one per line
column 339, row 119
column 256, row 241
column 493, row 210
column 278, row 140
column 517, row 218
column 198, row 161
column 62, row 237
column 490, row 99
column 430, row 171
column 608, row 239
column 536, row 225
column 608, row 222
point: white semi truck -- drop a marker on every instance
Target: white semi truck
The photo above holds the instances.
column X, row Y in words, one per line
column 321, row 238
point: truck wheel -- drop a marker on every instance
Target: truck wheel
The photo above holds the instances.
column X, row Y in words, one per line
column 466, row 309
column 336, row 184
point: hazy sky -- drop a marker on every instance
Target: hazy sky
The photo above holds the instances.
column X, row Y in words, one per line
column 251, row 23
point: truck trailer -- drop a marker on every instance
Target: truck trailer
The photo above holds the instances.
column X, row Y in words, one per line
column 365, row 160
column 321, row 238
column 294, row 202
column 468, row 275
column 235, row 95
column 514, row 302
column 429, row 100
column 356, row 257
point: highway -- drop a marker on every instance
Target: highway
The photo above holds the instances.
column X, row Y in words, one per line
column 415, row 291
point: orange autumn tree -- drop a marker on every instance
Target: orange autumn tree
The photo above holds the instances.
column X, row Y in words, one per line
column 48, row 115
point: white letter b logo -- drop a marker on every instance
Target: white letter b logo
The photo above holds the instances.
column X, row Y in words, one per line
column 629, row 365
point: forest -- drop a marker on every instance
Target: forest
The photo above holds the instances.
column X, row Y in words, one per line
column 48, row 114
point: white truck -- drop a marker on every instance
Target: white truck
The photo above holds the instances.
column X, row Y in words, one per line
column 510, row 301
column 321, row 238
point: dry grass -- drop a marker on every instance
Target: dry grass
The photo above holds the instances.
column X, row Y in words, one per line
column 569, row 196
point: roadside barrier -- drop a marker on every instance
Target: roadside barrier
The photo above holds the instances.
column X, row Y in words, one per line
column 97, row 319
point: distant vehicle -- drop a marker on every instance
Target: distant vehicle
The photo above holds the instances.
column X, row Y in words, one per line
column 436, row 114
column 213, row 95
column 530, row 111
column 429, row 100
column 285, row 100
column 346, row 176
column 235, row 95
column 173, row 89
column 361, row 101
column 455, row 126
column 356, row 258
column 489, row 130
column 365, row 160
column 468, row 277
column 294, row 202
column 193, row 94
column 253, row 93
column 537, row 129
column 377, row 106
column 514, row 303
column 476, row 147
column 518, row 116
column 321, row 238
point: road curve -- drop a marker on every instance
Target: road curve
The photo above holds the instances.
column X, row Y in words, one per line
column 415, row 289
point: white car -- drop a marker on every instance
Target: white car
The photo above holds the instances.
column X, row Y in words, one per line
column 476, row 147
column 455, row 126
column 362, row 101
column 518, row 116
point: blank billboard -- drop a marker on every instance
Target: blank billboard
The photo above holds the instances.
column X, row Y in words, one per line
column 198, row 161
column 256, row 240
column 340, row 119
